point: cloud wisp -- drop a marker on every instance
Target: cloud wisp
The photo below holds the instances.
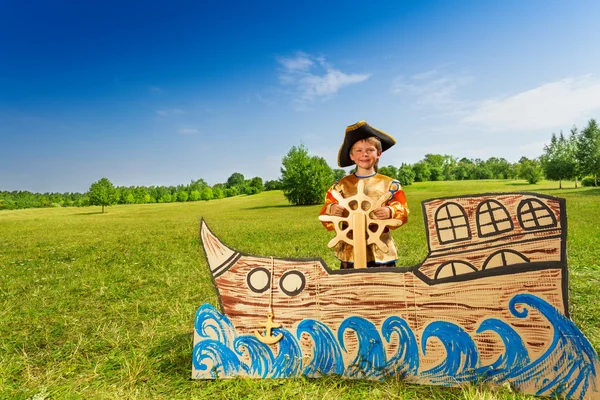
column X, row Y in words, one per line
column 432, row 89
column 548, row 106
column 169, row 112
column 310, row 78
column 188, row 131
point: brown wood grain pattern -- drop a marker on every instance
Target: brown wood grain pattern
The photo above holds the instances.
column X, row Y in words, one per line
column 540, row 251
column 332, row 298
column 470, row 205
column 484, row 250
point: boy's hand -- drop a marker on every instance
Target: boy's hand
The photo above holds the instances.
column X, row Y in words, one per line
column 336, row 210
column 383, row 213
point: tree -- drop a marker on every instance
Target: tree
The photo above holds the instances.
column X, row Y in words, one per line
column 406, row 175
column 558, row 160
column 436, row 166
column 449, row 167
column 232, row 191
column 207, row 193
column 422, row 172
column 235, row 180
column 165, row 198
column 218, row 192
column 273, row 185
column 588, row 150
column 499, row 167
column 390, row 171
column 255, row 185
column 304, row 179
column 530, row 170
column 463, row 169
column 480, row 170
column 197, row 185
column 338, row 174
column 141, row 195
column 102, row 193
column 574, row 148
column 182, row 196
column 195, row 195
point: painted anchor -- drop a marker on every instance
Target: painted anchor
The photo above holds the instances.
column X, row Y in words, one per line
column 269, row 338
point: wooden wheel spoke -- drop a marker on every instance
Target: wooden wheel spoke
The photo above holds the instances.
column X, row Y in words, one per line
column 372, row 237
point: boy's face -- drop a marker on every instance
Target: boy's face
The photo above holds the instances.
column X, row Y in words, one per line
column 364, row 154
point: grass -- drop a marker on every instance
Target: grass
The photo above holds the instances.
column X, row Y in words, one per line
column 99, row 305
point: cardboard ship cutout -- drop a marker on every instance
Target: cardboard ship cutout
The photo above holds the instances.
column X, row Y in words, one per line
column 488, row 303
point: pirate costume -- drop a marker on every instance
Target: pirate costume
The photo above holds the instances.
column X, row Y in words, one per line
column 375, row 186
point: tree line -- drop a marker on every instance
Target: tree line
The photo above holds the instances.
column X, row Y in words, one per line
column 108, row 194
column 305, row 178
column 574, row 157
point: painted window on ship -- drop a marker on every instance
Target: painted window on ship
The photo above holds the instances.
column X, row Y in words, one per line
column 492, row 219
column 451, row 223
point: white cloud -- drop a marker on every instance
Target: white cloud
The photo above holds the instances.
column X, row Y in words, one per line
column 263, row 99
column 169, row 112
column 550, row 106
column 301, row 62
column 310, row 78
column 188, row 131
column 432, row 89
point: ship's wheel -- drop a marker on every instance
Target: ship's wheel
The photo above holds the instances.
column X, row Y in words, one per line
column 358, row 228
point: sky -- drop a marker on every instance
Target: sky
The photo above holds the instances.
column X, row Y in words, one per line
column 162, row 93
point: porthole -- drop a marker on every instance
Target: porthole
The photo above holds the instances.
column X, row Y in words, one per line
column 292, row 283
column 259, row 280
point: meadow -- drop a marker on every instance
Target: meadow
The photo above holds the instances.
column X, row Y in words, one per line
column 102, row 306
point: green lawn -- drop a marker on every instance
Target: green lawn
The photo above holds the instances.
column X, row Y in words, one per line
column 99, row 305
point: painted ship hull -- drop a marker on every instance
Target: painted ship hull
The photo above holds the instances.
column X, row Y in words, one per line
column 489, row 302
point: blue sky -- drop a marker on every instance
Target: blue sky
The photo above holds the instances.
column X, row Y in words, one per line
column 160, row 93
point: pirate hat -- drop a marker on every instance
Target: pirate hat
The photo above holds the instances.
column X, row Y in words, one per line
column 359, row 131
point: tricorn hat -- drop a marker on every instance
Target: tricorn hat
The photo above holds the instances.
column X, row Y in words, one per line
column 359, row 131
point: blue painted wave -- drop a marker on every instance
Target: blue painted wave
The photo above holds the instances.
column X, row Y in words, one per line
column 571, row 357
column 406, row 360
column 370, row 360
column 327, row 358
column 514, row 357
column 461, row 353
column 393, row 349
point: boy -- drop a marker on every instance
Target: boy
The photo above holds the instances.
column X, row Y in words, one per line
column 363, row 146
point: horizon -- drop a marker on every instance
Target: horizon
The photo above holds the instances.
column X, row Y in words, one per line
column 154, row 95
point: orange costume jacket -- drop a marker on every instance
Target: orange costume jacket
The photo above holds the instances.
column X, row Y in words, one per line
column 375, row 186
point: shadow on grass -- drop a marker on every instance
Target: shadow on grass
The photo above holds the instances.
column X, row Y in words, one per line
column 591, row 192
column 518, row 184
column 90, row 213
column 277, row 206
column 175, row 355
column 568, row 189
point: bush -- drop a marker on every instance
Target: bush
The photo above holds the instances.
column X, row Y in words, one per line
column 195, row 195
column 305, row 179
column 588, row 181
column 207, row 194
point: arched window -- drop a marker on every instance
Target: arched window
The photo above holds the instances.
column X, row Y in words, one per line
column 454, row 268
column 451, row 223
column 533, row 214
column 492, row 219
column 504, row 258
